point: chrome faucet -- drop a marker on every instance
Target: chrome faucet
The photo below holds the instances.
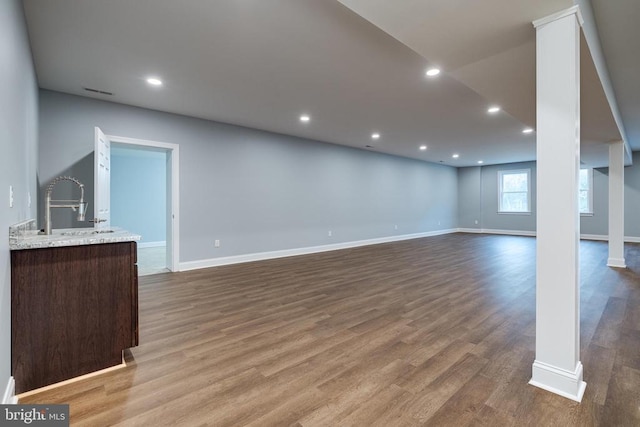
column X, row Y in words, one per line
column 79, row 205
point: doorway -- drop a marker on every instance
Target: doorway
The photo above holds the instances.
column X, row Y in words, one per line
column 145, row 199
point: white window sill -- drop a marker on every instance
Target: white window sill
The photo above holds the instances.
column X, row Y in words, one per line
column 514, row 213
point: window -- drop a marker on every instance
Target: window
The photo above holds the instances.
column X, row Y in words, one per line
column 585, row 200
column 513, row 191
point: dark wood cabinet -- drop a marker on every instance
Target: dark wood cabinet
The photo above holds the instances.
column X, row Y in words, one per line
column 73, row 311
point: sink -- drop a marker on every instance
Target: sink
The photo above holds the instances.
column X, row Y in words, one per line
column 85, row 232
column 102, row 231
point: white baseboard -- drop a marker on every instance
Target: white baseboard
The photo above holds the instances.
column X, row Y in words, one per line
column 9, row 396
column 599, row 237
column 511, row 232
column 152, row 244
column 602, row 237
column 605, row 238
column 261, row 256
column 559, row 381
column 494, row 231
column 470, row 230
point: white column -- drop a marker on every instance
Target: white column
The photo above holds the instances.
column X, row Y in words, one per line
column 616, row 205
column 557, row 367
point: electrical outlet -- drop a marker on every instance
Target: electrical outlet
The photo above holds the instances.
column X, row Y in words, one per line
column 216, row 243
column 28, row 199
column 476, row 222
column 11, row 196
column 438, row 222
column 330, row 233
column 395, row 227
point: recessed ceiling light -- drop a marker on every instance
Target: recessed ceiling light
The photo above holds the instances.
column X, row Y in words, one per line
column 527, row 130
column 493, row 109
column 153, row 81
column 455, row 156
column 375, row 135
column 432, row 72
column 305, row 118
column 480, row 162
column 423, row 147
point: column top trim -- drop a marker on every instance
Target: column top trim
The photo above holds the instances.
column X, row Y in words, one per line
column 573, row 10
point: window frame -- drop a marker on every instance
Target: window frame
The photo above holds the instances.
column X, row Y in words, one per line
column 501, row 174
column 589, row 192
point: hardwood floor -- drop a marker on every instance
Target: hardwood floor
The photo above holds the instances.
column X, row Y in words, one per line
column 435, row 331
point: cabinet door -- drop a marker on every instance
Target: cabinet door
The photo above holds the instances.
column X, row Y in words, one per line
column 72, row 311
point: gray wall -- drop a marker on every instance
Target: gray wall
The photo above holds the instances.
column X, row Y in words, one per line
column 632, row 197
column 482, row 182
column 599, row 223
column 18, row 133
column 470, row 197
column 257, row 191
column 138, row 192
column 478, row 199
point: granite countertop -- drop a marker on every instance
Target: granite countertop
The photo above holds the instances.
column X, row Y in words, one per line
column 30, row 239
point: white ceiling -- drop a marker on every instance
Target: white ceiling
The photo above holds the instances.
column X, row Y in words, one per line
column 261, row 63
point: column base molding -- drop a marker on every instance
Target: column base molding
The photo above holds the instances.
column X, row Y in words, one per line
column 616, row 262
column 559, row 381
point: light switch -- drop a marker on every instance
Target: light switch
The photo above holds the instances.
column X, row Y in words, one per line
column 11, row 196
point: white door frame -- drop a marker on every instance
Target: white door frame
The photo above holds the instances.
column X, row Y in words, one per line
column 173, row 193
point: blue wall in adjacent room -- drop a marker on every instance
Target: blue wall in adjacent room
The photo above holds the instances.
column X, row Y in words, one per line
column 139, row 192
